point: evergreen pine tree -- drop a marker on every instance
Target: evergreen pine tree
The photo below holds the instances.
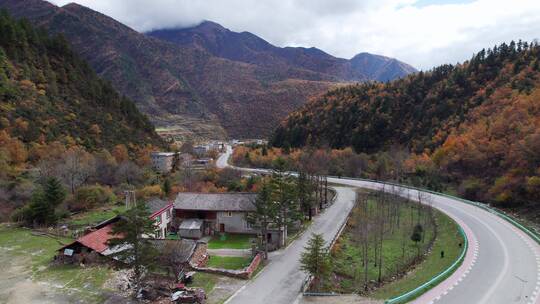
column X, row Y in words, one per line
column 315, row 259
column 130, row 234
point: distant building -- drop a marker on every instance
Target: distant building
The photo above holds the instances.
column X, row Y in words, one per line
column 162, row 161
column 185, row 159
column 201, row 150
column 204, row 161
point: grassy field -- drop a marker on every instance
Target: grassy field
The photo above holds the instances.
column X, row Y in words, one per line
column 203, row 280
column 230, row 241
column 228, row 262
column 447, row 240
column 85, row 283
column 399, row 253
column 95, row 216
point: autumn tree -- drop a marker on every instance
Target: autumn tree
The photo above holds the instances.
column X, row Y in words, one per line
column 120, row 153
column 76, row 168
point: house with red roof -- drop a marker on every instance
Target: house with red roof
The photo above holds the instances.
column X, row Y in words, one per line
column 94, row 243
column 90, row 246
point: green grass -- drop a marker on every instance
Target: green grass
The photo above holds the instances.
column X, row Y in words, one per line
column 347, row 261
column 206, row 281
column 448, row 239
column 86, row 282
column 95, row 216
column 21, row 242
column 228, row 262
column 230, row 241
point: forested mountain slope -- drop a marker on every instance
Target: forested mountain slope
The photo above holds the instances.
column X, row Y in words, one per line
column 186, row 87
column 47, row 93
column 478, row 122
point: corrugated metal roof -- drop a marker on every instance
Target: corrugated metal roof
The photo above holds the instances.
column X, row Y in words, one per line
column 97, row 240
column 215, row 201
column 191, row 224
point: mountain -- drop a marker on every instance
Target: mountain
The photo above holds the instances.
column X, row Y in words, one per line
column 249, row 48
column 478, row 122
column 183, row 88
column 48, row 93
column 380, row 68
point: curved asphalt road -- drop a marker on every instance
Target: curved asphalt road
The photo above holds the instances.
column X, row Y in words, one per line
column 502, row 265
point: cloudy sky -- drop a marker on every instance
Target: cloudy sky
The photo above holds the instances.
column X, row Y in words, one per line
column 423, row 33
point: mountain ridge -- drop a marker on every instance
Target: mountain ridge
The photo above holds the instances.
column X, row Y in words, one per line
column 477, row 124
column 185, row 88
column 247, row 47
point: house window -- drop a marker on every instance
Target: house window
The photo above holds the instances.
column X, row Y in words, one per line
column 168, row 213
column 248, row 225
column 228, row 214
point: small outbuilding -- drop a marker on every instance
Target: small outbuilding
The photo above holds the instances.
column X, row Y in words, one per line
column 191, row 228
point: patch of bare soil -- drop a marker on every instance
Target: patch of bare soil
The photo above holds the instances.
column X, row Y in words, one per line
column 17, row 287
column 224, row 288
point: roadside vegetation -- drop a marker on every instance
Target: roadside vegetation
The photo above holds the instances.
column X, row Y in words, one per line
column 389, row 246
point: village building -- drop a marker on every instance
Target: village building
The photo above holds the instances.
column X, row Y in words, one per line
column 201, row 150
column 214, row 212
column 161, row 213
column 185, row 159
column 162, row 161
column 89, row 247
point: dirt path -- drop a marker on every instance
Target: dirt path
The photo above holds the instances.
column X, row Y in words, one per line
column 17, row 287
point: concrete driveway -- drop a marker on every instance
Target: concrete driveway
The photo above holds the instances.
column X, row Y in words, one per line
column 281, row 280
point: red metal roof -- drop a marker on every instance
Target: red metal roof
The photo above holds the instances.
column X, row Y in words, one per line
column 97, row 240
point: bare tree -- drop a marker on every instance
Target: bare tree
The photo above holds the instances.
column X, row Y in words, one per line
column 174, row 257
column 77, row 167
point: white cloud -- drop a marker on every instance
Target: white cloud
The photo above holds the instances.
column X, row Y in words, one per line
column 422, row 35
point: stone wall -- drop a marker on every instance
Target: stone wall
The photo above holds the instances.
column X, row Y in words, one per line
column 245, row 273
column 199, row 258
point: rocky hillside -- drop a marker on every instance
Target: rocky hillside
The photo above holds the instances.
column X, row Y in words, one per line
column 310, row 63
column 48, row 93
column 187, row 87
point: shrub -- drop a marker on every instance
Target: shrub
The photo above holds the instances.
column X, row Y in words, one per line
column 88, row 197
column 149, row 191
